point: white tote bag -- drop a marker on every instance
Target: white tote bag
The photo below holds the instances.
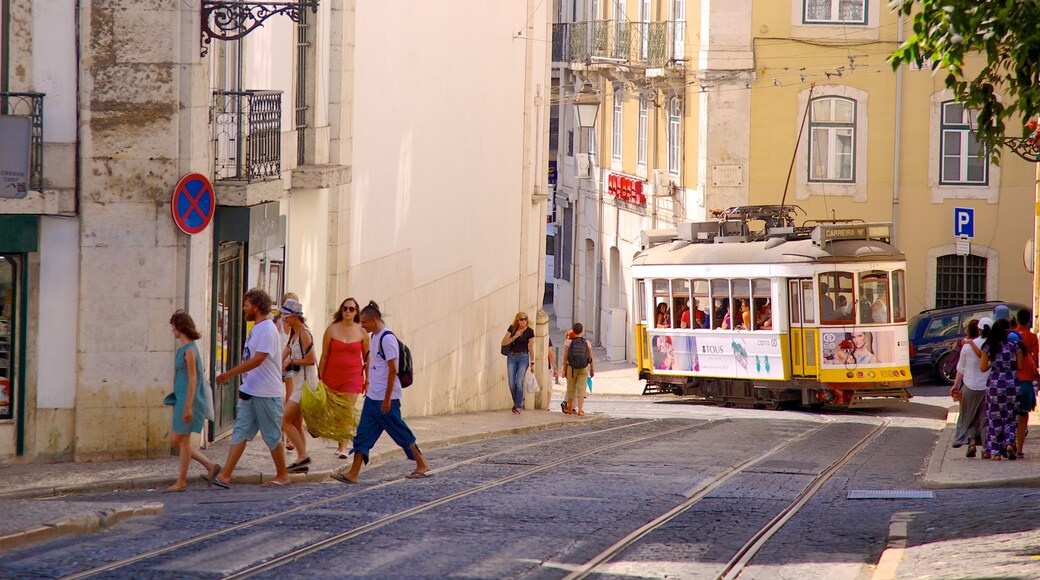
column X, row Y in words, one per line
column 207, row 393
column 530, row 384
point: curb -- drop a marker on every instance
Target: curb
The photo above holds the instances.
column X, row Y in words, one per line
column 933, row 478
column 141, row 484
column 81, row 524
column 888, row 564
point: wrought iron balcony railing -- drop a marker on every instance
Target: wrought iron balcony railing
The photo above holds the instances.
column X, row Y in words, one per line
column 246, row 127
column 649, row 44
column 29, row 105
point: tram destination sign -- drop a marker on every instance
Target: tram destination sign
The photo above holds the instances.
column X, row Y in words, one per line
column 825, row 233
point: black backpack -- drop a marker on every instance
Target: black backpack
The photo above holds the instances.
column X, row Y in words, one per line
column 404, row 360
column 578, row 353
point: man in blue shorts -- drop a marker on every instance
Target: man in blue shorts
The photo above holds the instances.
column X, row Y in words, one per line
column 260, row 405
column 382, row 409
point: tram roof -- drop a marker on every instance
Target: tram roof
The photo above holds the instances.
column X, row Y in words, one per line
column 682, row 252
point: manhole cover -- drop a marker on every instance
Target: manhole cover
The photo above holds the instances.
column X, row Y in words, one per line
column 890, row 494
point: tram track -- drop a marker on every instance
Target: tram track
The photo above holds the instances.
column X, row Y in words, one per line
column 743, row 556
column 202, row 538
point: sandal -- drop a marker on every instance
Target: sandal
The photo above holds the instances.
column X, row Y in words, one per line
column 580, row 413
column 971, row 451
column 1009, row 451
column 302, row 466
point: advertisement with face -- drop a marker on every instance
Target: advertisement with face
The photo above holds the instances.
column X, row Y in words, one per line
column 719, row 354
column 876, row 347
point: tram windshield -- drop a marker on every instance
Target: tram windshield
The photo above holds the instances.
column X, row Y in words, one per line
column 837, row 298
column 873, row 297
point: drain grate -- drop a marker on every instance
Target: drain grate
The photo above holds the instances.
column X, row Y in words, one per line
column 890, row 494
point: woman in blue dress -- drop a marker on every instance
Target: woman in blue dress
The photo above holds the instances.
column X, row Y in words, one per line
column 187, row 387
column 1000, row 356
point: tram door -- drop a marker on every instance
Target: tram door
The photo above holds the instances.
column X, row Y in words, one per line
column 804, row 332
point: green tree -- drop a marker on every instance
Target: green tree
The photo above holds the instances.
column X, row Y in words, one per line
column 1004, row 35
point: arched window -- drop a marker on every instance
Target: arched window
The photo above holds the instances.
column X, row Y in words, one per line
column 958, row 137
column 674, row 128
column 832, row 140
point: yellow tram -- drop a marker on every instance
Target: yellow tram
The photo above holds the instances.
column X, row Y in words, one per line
column 753, row 310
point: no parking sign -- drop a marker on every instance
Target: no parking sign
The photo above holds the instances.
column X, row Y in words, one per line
column 193, row 203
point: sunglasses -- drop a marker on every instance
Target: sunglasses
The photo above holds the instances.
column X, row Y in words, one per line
column 523, row 319
column 349, row 308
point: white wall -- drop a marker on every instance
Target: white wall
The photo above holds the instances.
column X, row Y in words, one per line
column 59, row 305
column 54, row 66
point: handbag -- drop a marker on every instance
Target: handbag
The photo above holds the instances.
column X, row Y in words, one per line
column 170, row 399
column 531, row 384
column 207, row 397
column 505, row 349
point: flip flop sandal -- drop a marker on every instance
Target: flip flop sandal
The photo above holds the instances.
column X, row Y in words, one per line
column 210, row 477
column 300, row 466
column 273, row 483
column 417, row 475
column 342, row 478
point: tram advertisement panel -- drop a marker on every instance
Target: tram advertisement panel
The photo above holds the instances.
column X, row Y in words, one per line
column 718, row 354
column 865, row 353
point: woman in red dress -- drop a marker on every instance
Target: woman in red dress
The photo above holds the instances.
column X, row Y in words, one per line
column 343, row 354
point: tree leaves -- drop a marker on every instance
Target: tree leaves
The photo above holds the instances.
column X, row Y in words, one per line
column 998, row 39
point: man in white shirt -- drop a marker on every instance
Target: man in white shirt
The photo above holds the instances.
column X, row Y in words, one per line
column 260, row 404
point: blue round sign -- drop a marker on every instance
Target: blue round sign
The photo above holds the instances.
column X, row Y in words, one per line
column 193, row 203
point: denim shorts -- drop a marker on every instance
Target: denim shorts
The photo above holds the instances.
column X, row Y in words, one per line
column 259, row 414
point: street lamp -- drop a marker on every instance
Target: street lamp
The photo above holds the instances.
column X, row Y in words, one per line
column 586, row 107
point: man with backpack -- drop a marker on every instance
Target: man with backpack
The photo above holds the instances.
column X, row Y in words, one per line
column 389, row 370
column 577, row 367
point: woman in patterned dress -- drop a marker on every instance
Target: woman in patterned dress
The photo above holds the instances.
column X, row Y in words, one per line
column 1000, row 356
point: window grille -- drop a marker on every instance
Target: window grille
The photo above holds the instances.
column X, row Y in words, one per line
column 959, row 280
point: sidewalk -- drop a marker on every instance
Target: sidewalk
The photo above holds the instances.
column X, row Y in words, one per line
column 908, row 553
column 27, row 522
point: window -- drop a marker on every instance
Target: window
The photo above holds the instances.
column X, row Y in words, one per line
column 960, row 280
column 837, row 300
column 700, row 305
column 674, row 125
column 835, row 11
column 640, row 307
column 570, row 143
column 832, row 138
column 899, row 296
column 720, row 304
column 961, row 162
column 761, row 308
column 662, row 297
column 679, row 21
column 680, row 298
column 644, row 35
column 943, row 326
column 616, row 143
column 641, row 137
column 873, row 297
column 9, row 282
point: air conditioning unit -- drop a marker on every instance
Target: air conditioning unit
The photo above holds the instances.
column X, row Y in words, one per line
column 584, row 166
column 664, row 183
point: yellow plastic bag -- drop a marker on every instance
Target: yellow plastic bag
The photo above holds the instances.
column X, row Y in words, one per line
column 328, row 414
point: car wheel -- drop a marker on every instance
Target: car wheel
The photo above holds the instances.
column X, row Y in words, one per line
column 946, row 368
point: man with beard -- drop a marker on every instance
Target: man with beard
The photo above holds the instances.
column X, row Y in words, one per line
column 260, row 405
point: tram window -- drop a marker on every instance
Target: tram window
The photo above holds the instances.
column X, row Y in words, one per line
column 700, row 305
column 680, row 299
column 796, row 317
column 837, row 300
column 641, row 301
column 899, row 296
column 763, row 310
column 720, row 304
column 873, row 297
column 661, row 300
column 742, row 304
column 808, row 309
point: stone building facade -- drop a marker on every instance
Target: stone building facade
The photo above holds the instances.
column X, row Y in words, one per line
column 334, row 175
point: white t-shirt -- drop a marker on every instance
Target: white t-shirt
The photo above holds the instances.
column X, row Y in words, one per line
column 378, row 369
column 266, row 379
column 968, row 366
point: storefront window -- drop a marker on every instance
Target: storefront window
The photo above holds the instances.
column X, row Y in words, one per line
column 8, row 323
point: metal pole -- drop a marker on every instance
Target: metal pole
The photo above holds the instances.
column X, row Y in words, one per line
column 1036, row 248
column 964, row 281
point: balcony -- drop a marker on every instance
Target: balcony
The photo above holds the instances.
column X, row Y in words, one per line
column 636, row 44
column 29, row 105
column 246, row 129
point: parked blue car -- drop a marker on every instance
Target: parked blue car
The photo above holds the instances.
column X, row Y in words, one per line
column 936, row 334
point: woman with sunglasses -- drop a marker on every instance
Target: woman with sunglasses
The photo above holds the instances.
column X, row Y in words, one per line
column 519, row 337
column 342, row 365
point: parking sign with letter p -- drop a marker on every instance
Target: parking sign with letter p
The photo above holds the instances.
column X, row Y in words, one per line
column 964, row 222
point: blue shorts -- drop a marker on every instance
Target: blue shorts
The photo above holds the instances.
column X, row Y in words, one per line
column 263, row 414
column 1026, row 398
column 374, row 422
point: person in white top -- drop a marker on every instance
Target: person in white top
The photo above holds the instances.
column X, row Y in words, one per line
column 970, row 385
column 260, row 406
